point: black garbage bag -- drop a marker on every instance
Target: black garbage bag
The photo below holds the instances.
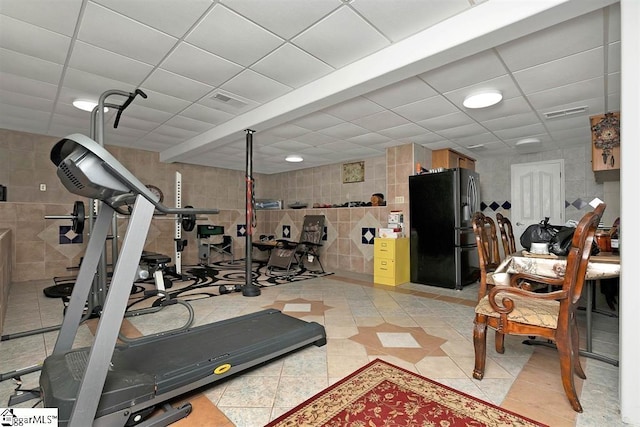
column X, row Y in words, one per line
column 561, row 242
column 538, row 233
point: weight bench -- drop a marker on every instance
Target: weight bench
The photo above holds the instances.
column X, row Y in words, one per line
column 156, row 264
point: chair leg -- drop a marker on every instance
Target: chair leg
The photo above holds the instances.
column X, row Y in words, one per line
column 499, row 342
column 575, row 341
column 565, row 351
column 480, row 345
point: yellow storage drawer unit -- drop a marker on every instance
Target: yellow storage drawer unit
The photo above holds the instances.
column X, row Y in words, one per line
column 391, row 261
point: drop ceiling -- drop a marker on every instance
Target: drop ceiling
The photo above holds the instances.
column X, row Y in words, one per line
column 330, row 80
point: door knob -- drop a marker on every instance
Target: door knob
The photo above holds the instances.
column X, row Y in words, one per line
column 519, row 224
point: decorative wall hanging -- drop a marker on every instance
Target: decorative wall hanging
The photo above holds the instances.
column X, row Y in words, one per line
column 352, row 172
column 606, row 136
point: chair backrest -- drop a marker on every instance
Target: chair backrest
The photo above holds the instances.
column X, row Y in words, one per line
column 506, row 234
column 578, row 259
column 484, row 229
column 312, row 229
column 486, row 233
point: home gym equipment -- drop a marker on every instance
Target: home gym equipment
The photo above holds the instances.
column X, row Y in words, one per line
column 77, row 217
column 249, row 289
column 117, row 385
column 213, row 237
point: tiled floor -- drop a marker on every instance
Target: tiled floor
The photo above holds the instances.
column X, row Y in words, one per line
column 422, row 328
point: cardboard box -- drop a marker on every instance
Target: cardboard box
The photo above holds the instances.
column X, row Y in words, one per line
column 390, row 233
column 396, row 217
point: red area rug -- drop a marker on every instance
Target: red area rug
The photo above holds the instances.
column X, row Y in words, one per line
column 381, row 394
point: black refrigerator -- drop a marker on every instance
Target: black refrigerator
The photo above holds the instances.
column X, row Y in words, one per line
column 443, row 245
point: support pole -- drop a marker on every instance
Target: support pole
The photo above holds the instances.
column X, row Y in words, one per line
column 249, row 289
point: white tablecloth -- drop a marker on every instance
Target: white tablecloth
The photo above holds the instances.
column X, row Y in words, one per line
column 600, row 267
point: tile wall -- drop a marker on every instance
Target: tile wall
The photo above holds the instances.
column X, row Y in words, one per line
column 44, row 249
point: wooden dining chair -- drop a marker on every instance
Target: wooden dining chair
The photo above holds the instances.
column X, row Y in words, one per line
column 506, row 234
column 511, row 310
column 484, row 229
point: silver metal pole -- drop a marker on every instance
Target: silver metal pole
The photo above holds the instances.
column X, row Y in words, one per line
column 249, row 289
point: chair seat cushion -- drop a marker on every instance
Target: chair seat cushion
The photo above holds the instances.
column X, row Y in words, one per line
column 526, row 310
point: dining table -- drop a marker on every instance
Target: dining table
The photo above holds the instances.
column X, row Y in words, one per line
column 603, row 265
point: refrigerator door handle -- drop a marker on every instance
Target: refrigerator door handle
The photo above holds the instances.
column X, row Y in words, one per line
column 471, row 194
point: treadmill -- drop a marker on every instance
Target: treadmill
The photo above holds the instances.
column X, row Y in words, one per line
column 113, row 384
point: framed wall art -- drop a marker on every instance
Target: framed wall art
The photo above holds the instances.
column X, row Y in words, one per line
column 352, row 172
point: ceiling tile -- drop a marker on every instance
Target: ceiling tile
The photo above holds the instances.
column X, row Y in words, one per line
column 26, row 101
column 426, row 109
column 292, row 66
column 176, row 85
column 228, row 102
column 505, row 108
column 162, row 102
column 465, row 131
column 27, row 86
column 520, row 132
column 570, row 37
column 27, row 66
column 290, row 145
column 574, row 68
column 516, row 120
column 370, row 139
column 189, row 124
column 353, row 109
column 173, row 17
column 105, row 63
column 401, row 93
column 286, row 131
column 256, row 87
column 571, row 93
column 341, row 38
column 317, row 121
column 452, row 120
column 18, row 36
column 144, row 112
column 132, row 39
column 382, row 120
column 284, row 17
column 485, row 65
column 233, row 37
column 316, row 138
column 91, row 83
column 62, row 18
column 344, row 131
column 198, row 64
column 205, row 114
column 404, row 131
column 408, row 17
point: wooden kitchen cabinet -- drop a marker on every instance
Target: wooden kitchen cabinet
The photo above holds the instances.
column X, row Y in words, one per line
column 447, row 158
column 605, row 146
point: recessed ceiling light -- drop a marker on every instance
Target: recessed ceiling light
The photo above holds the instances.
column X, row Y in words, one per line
column 483, row 99
column 294, row 158
column 527, row 141
column 85, row 105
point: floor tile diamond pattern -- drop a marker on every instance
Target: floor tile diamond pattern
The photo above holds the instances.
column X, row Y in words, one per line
column 384, row 340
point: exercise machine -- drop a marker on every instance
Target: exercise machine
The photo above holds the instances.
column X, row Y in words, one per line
column 111, row 384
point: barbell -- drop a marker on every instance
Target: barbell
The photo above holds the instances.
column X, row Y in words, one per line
column 77, row 217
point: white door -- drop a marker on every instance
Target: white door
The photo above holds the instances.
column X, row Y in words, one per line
column 537, row 191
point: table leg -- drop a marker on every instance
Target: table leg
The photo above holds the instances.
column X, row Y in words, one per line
column 591, row 285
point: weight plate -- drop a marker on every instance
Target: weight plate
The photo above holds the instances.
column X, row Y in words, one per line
column 78, row 217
